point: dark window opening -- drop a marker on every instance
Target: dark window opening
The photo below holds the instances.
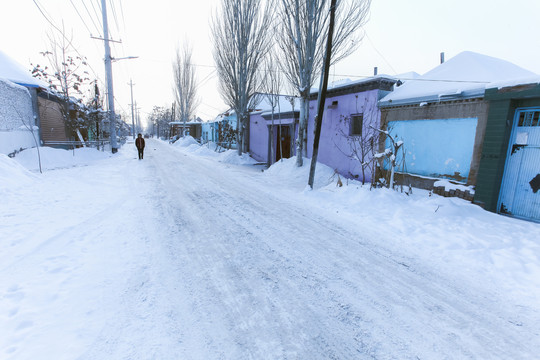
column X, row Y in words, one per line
column 357, row 122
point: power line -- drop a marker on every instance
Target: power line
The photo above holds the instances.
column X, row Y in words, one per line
column 98, row 28
column 378, row 52
column 96, row 13
column 113, row 8
column 80, row 17
column 122, row 13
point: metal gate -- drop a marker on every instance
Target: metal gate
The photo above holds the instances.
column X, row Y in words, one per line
column 520, row 191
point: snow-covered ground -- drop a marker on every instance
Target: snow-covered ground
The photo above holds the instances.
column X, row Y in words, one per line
column 189, row 254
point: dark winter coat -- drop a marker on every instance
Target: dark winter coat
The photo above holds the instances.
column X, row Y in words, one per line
column 139, row 143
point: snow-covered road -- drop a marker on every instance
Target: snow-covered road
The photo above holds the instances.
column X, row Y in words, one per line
column 182, row 257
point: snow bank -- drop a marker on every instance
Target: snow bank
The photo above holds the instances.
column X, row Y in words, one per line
column 185, row 141
column 13, row 174
column 298, row 176
column 231, row 157
column 450, row 233
column 58, row 158
column 190, row 145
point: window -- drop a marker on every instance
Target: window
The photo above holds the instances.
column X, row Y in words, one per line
column 356, row 124
column 529, row 118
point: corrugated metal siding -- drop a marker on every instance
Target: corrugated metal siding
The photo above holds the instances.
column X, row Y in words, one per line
column 52, row 123
column 520, row 192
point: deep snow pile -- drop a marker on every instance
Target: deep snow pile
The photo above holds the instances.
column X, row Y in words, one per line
column 190, row 145
column 12, row 174
column 52, row 158
column 287, row 172
column 450, row 233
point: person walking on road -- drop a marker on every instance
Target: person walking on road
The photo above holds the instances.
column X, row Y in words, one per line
column 139, row 143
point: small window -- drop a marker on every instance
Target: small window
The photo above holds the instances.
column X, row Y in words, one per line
column 356, row 124
column 529, row 118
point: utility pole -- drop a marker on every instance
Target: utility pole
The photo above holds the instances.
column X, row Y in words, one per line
column 322, row 94
column 139, row 127
column 132, row 113
column 136, row 117
column 108, row 72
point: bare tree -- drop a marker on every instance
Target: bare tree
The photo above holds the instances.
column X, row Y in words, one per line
column 241, row 40
column 304, row 27
column 66, row 74
column 390, row 153
column 185, row 83
column 362, row 139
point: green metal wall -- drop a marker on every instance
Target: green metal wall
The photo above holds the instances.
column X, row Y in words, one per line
column 502, row 106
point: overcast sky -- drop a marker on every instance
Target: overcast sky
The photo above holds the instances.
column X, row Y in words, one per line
column 401, row 36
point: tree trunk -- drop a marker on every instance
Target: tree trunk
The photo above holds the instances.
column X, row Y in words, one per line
column 300, row 140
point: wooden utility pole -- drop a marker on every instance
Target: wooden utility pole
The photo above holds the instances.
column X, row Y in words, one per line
column 322, row 94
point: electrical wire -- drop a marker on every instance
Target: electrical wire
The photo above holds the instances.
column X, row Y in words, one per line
column 80, row 17
column 378, row 52
column 115, row 18
column 98, row 28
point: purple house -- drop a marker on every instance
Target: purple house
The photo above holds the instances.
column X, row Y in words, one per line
column 273, row 129
column 347, row 138
column 351, row 115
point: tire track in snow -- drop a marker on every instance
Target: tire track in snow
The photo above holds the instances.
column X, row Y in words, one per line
column 335, row 316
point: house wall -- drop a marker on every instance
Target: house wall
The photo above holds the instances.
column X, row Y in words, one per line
column 335, row 144
column 16, row 113
column 208, row 132
column 459, row 130
column 435, row 148
column 498, row 130
column 52, row 121
column 258, row 134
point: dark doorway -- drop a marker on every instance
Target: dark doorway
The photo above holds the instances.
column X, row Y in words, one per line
column 284, row 144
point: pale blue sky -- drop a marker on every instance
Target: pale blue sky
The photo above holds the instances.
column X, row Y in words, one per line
column 401, row 36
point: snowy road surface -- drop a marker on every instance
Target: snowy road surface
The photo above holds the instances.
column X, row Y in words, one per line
column 182, row 257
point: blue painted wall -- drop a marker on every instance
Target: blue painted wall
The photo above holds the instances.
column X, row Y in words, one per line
column 210, row 129
column 436, row 148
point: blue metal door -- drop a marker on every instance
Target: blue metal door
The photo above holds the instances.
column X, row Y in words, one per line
column 520, row 191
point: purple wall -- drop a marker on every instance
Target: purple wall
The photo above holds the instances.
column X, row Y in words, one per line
column 334, row 147
column 336, row 144
column 259, row 139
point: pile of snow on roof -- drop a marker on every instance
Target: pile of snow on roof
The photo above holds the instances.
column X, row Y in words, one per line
column 467, row 74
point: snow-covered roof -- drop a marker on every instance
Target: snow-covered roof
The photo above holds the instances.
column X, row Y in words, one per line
column 348, row 82
column 466, row 75
column 515, row 82
column 15, row 72
column 283, row 106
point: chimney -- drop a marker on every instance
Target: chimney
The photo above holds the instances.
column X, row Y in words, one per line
column 375, row 71
column 442, row 57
